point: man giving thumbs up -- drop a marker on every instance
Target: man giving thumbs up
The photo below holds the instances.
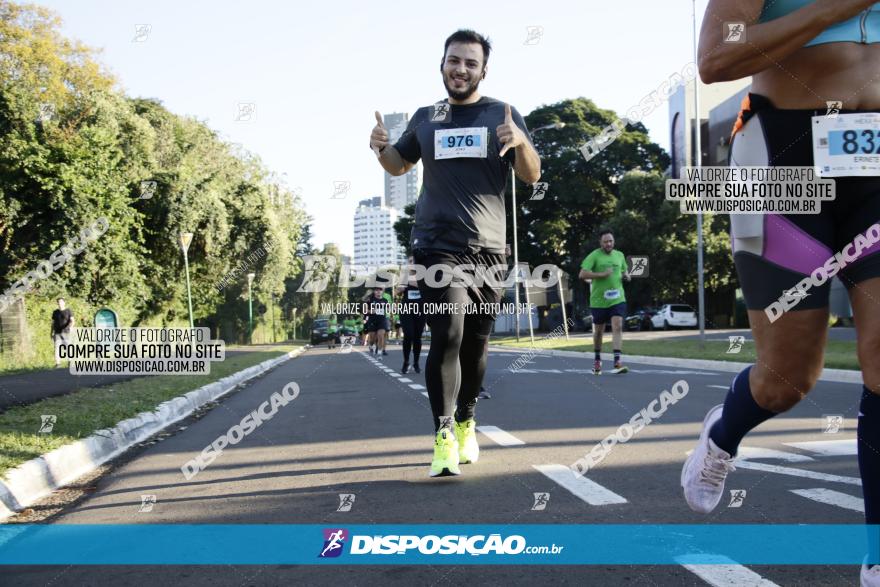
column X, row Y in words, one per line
column 467, row 145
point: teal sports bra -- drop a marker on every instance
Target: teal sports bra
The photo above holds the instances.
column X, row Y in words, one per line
column 864, row 28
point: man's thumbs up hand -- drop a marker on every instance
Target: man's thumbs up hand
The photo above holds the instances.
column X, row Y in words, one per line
column 508, row 132
column 379, row 136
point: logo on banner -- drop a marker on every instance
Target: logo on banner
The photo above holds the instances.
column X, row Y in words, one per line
column 334, row 541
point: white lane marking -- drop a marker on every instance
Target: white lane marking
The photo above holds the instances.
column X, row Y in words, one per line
column 416, row 386
column 499, row 436
column 726, row 575
column 828, row 448
column 425, row 393
column 719, row 386
column 797, row 472
column 757, row 452
column 586, row 489
column 405, row 380
column 672, row 372
column 398, row 375
column 831, row 497
column 657, row 371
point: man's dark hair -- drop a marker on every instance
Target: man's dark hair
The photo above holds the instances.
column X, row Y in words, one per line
column 605, row 231
column 60, row 300
column 469, row 36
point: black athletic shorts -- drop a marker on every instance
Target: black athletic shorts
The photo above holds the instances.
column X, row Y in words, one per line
column 774, row 252
column 604, row 315
column 375, row 323
column 437, row 288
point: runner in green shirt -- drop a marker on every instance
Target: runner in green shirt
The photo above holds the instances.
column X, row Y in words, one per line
column 607, row 269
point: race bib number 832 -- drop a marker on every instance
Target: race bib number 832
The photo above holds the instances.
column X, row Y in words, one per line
column 847, row 145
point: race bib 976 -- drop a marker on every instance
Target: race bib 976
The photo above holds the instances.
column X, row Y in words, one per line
column 451, row 143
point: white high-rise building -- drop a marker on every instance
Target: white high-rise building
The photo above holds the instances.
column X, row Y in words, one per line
column 375, row 242
column 403, row 189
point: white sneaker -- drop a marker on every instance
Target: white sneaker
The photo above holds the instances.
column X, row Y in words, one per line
column 870, row 577
column 705, row 470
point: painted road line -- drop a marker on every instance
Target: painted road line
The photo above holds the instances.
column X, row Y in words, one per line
column 671, row 372
column 831, row 497
column 405, row 380
column 425, row 393
column 499, row 436
column 758, row 452
column 416, row 386
column 727, row 575
column 719, row 386
column 397, row 375
column 797, row 472
column 586, row 489
column 828, row 448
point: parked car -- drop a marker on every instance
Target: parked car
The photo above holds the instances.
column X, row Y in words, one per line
column 585, row 322
column 675, row 316
column 641, row 320
column 322, row 331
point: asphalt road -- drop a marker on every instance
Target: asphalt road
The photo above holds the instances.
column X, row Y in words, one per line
column 355, row 429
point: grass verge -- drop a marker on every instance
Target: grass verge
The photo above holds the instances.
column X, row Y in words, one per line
column 838, row 354
column 82, row 412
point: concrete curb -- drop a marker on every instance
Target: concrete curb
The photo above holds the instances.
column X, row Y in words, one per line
column 37, row 478
column 832, row 375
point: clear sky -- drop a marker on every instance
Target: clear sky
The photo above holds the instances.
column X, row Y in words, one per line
column 317, row 71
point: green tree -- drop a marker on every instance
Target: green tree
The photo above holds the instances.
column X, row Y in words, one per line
column 582, row 195
column 74, row 148
column 403, row 226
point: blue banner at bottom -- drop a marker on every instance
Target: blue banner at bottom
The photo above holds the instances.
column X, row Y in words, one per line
column 615, row 544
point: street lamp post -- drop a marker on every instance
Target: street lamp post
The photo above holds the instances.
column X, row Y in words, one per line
column 250, row 278
column 701, row 292
column 185, row 240
column 294, row 324
column 556, row 125
column 562, row 301
column 273, row 318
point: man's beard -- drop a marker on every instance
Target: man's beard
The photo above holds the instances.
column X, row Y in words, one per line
column 464, row 94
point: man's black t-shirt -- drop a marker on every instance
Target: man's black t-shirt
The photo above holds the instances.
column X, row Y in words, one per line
column 61, row 321
column 461, row 205
column 375, row 308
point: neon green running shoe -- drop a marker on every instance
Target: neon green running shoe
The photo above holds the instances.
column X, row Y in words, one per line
column 445, row 454
column 466, row 435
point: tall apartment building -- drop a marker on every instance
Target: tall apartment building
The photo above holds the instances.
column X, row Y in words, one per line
column 404, row 189
column 375, row 242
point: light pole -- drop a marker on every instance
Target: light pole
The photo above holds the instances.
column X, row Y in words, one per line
column 273, row 318
column 250, row 278
column 562, row 301
column 556, row 125
column 185, row 240
column 294, row 324
column 701, row 293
